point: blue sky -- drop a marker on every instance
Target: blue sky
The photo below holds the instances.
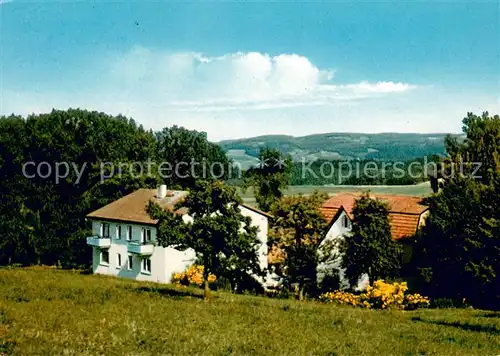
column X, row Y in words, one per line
column 243, row 69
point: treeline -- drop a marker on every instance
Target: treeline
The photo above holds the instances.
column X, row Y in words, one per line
column 363, row 172
column 55, row 168
column 457, row 253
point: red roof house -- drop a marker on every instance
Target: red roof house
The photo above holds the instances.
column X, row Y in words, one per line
column 406, row 213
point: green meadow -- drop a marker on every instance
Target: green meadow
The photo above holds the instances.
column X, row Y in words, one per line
column 46, row 311
column 421, row 189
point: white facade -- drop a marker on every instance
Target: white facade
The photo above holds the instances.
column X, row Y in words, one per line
column 129, row 250
column 127, row 256
column 261, row 222
column 339, row 228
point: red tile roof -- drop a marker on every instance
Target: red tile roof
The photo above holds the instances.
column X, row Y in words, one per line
column 403, row 225
column 404, row 211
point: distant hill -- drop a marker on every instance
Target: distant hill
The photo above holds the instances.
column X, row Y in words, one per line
column 383, row 146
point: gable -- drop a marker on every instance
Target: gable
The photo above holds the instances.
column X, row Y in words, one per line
column 405, row 212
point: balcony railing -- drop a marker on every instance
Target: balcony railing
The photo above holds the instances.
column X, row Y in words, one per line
column 141, row 248
column 99, row 241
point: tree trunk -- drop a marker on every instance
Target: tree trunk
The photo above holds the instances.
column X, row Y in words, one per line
column 206, row 292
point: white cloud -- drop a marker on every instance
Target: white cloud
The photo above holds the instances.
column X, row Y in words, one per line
column 380, row 87
column 244, row 94
column 249, row 81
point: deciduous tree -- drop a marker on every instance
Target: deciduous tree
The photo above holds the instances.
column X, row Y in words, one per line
column 458, row 251
column 270, row 178
column 187, row 156
column 224, row 240
column 297, row 230
column 369, row 248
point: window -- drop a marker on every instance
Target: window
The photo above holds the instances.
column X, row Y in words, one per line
column 146, row 235
column 129, row 233
column 118, row 260
column 105, row 230
column 118, row 232
column 130, row 262
column 146, row 265
column 105, row 257
column 345, row 221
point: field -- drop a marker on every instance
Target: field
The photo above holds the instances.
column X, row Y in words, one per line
column 421, row 189
column 53, row 312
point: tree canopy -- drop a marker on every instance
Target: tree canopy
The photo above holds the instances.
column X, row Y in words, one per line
column 270, row 178
column 458, row 251
column 190, row 156
column 369, row 248
column 297, row 229
column 224, row 240
column 59, row 166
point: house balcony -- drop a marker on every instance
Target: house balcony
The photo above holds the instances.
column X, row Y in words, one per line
column 99, row 241
column 141, row 248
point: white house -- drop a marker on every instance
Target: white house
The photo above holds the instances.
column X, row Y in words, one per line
column 406, row 215
column 124, row 237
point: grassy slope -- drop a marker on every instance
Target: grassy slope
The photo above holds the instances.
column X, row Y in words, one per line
column 59, row 312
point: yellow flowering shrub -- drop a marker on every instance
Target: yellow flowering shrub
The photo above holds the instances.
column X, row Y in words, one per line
column 192, row 276
column 341, row 297
column 414, row 301
column 383, row 295
column 380, row 295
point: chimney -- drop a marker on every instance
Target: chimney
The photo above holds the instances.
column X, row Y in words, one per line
column 162, row 191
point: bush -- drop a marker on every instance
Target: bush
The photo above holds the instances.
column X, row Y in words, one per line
column 341, row 297
column 223, row 284
column 279, row 293
column 245, row 283
column 329, row 283
column 192, row 276
column 381, row 295
column 443, row 303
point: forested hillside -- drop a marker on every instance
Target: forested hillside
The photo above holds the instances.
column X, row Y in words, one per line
column 383, row 146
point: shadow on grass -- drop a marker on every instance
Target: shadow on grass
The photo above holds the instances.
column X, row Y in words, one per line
column 490, row 315
column 86, row 272
column 491, row 329
column 171, row 292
